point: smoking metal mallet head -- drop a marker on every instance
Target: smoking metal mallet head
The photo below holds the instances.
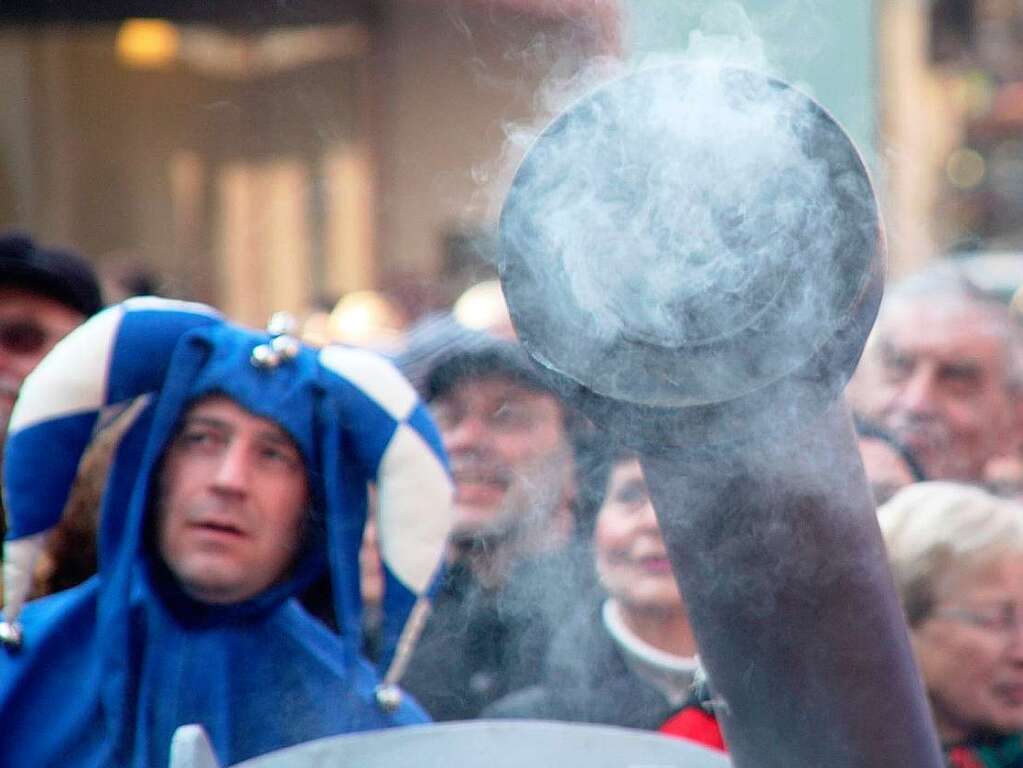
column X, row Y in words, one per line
column 694, row 255
column 688, row 245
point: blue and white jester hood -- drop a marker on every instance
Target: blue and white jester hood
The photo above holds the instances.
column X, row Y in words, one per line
column 107, row 671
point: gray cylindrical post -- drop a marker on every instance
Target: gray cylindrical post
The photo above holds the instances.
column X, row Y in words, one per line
column 779, row 556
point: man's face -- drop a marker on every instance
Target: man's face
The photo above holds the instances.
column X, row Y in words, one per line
column 632, row 561
column 30, row 325
column 942, row 387
column 233, row 499
column 970, row 651
column 507, row 445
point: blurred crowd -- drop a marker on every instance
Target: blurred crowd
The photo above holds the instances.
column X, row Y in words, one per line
column 557, row 599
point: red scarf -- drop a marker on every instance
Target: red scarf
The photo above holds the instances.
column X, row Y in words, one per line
column 696, row 724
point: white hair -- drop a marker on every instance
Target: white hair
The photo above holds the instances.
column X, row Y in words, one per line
column 939, row 529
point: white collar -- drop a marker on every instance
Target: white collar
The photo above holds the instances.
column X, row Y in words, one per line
column 671, row 674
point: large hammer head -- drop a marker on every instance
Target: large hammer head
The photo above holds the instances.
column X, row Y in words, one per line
column 686, row 247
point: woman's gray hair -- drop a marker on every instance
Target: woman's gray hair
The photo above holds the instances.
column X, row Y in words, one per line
column 940, row 529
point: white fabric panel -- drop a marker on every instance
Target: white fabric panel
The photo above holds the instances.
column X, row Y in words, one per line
column 191, row 748
column 373, row 375
column 80, row 363
column 20, row 557
column 172, row 305
column 416, row 511
column 78, row 366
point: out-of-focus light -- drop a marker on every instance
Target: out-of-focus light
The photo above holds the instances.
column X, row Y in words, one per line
column 482, row 308
column 1016, row 303
column 965, row 168
column 316, row 329
column 147, row 43
column 366, row 319
column 973, row 92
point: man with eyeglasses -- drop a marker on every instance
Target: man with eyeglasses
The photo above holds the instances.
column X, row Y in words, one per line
column 513, row 563
column 45, row 293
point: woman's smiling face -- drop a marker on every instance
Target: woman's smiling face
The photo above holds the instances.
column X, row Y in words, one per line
column 970, row 651
column 632, row 561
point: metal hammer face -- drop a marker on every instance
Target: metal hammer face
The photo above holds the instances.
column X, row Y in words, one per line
column 692, row 237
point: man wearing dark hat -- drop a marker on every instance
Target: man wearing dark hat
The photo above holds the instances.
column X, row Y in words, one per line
column 511, row 560
column 243, row 479
column 44, row 294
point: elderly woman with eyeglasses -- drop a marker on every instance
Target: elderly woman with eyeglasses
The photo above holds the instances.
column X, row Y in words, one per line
column 957, row 557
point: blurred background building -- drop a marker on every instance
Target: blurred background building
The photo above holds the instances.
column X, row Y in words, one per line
column 951, row 125
column 260, row 155
column 264, row 155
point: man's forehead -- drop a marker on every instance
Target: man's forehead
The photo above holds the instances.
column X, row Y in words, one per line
column 986, row 315
column 496, row 387
column 225, row 412
column 957, row 330
column 16, row 300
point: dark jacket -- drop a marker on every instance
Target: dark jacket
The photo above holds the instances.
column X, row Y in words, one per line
column 480, row 644
column 586, row 680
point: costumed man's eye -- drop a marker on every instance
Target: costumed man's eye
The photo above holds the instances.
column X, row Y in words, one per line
column 280, row 456
column 199, row 438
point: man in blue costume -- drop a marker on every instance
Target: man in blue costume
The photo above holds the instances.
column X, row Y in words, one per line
column 244, row 477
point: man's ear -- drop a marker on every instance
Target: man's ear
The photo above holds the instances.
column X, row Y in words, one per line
column 1008, row 436
column 1013, row 435
column 564, row 516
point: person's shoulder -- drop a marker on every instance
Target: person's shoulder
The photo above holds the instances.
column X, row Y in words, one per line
column 570, row 567
column 77, row 604
column 533, row 703
column 300, row 641
column 581, row 634
column 58, row 633
column 307, row 653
